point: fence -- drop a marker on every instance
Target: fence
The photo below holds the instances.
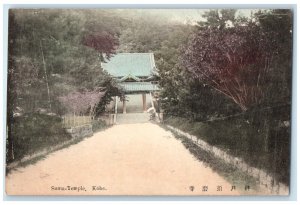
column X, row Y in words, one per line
column 109, row 119
column 73, row 121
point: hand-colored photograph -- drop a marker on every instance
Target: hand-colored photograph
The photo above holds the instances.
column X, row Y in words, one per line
column 149, row 102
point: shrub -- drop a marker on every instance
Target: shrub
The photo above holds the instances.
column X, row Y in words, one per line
column 262, row 145
column 98, row 125
column 32, row 132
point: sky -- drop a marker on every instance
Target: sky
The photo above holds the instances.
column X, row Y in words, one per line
column 185, row 15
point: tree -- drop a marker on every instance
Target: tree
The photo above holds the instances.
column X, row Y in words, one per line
column 171, row 73
column 82, row 102
column 232, row 63
column 61, row 55
column 219, row 19
column 102, row 42
column 277, row 25
column 246, row 61
column 233, row 60
column 112, row 89
column 11, row 90
column 54, row 53
column 144, row 32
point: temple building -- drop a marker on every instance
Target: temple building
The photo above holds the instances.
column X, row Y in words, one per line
column 136, row 73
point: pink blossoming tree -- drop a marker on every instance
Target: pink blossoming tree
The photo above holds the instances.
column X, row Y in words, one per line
column 82, row 102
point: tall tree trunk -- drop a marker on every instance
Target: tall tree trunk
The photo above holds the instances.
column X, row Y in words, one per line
column 267, row 133
column 11, row 89
column 45, row 71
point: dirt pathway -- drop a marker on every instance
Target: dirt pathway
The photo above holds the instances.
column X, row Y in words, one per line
column 135, row 159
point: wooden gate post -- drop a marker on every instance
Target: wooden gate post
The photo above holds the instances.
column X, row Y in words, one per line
column 116, row 109
column 124, row 106
column 144, row 102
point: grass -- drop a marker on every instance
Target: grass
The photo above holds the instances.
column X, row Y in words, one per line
column 233, row 175
column 44, row 155
column 242, row 139
column 34, row 133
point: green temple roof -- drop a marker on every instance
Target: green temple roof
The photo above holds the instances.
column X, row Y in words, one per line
column 130, row 64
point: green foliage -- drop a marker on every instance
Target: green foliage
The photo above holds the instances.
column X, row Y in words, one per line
column 240, row 138
column 261, row 133
column 51, row 53
column 98, row 125
column 230, row 173
column 143, row 33
column 218, row 18
column 111, row 90
column 246, row 61
column 55, row 52
column 278, row 27
column 34, row 132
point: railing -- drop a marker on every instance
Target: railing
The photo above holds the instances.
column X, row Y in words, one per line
column 73, row 121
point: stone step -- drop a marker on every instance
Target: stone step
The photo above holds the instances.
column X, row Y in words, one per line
column 131, row 118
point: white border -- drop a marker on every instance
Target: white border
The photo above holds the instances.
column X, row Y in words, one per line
column 110, row 3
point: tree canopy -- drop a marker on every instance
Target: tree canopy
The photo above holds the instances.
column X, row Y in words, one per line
column 244, row 59
column 238, row 60
column 55, row 52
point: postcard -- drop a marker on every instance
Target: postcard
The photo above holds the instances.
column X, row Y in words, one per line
column 149, row 102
